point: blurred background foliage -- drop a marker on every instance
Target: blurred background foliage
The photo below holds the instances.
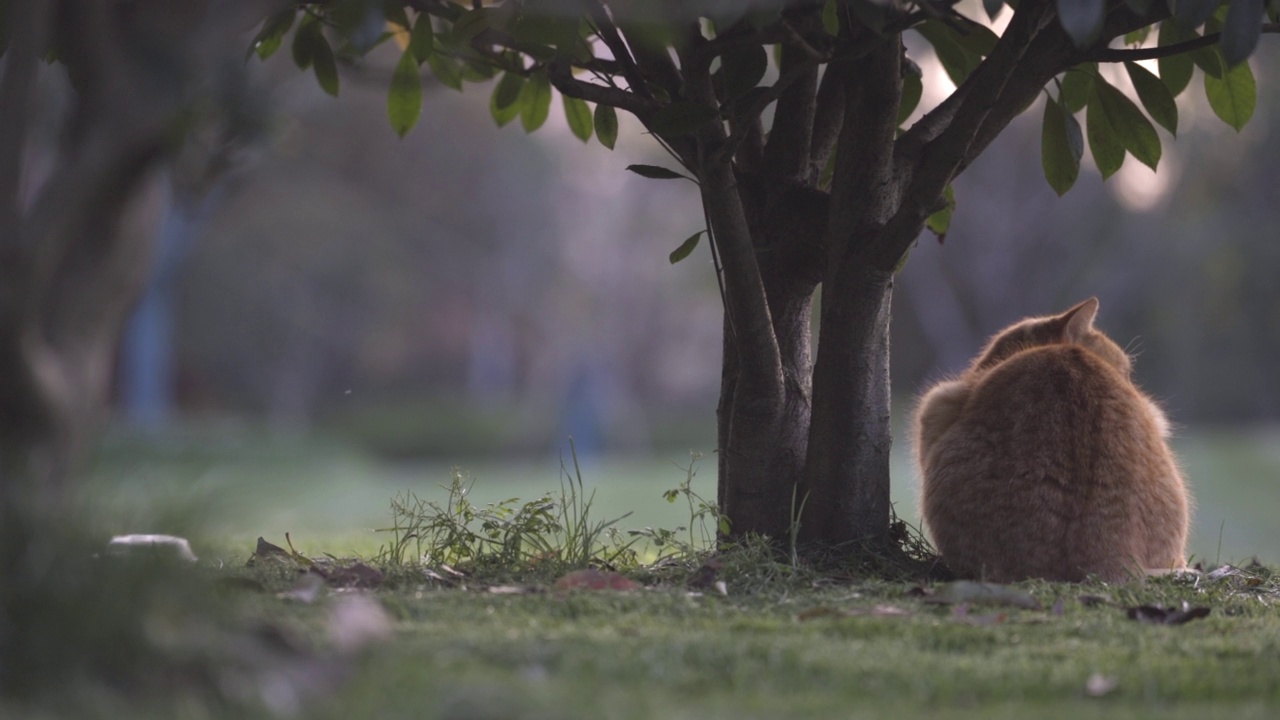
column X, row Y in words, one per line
column 469, row 295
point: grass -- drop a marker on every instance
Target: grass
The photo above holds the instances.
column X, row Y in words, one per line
column 781, row 641
column 665, row 652
column 331, row 498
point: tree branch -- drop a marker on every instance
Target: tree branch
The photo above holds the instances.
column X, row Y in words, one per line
column 758, row 353
column 1111, row 55
column 786, row 153
column 608, row 32
column 828, row 116
column 934, row 149
column 862, row 187
column 772, row 93
column 562, row 78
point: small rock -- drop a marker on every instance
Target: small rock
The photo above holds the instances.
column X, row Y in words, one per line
column 134, row 544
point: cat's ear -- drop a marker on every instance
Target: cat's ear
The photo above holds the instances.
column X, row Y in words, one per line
column 1077, row 322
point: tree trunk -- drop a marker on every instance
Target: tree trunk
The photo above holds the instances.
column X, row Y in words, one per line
column 846, row 479
column 59, row 333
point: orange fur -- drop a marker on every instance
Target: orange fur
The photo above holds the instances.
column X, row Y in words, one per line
column 1044, row 460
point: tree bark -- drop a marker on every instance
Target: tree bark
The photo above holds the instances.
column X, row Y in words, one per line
column 846, row 480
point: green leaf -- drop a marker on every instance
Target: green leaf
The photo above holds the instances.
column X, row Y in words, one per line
column 476, row 71
column 422, row 39
column 268, row 39
column 404, row 101
column 957, row 61
column 502, row 116
column 507, row 91
column 304, row 42
column 681, row 118
column 685, row 248
column 578, row 115
column 1131, row 127
column 741, row 70
column 1208, row 59
column 1139, row 36
column 655, row 172
column 977, row 39
column 535, row 101
column 940, row 222
column 1234, row 96
column 606, row 122
column 1081, row 19
column 1191, row 14
column 326, row 68
column 1155, row 96
column 1061, row 147
column 1104, row 144
column 446, row 70
column 468, row 25
column 831, row 17
column 504, row 103
column 912, row 89
column 1077, row 84
column 1175, row 70
column 1240, row 30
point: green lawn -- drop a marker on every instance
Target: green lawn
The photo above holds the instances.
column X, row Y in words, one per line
column 330, row 498
column 798, row 645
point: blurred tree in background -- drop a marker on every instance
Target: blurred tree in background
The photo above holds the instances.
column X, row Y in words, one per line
column 82, row 179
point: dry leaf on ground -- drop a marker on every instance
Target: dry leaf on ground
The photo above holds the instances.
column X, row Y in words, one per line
column 357, row 575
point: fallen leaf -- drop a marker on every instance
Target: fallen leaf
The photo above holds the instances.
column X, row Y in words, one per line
column 980, row 593
column 592, row 579
column 356, row 575
column 265, row 548
column 705, row 576
column 1152, row 615
column 1098, row 685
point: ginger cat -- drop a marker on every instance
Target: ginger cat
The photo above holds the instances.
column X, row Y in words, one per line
column 1044, row 460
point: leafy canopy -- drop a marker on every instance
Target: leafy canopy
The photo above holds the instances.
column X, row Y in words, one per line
column 601, row 56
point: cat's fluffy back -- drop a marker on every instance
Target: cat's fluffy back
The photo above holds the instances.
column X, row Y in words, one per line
column 1044, row 460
